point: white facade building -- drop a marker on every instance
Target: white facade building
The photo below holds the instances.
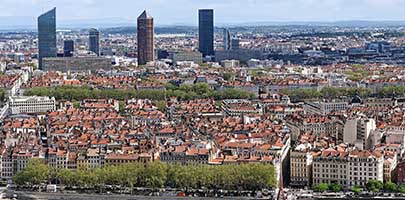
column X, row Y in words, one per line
column 324, row 108
column 31, row 104
column 357, row 131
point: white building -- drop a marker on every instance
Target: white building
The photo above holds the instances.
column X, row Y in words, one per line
column 230, row 63
column 31, row 104
column 324, row 108
column 357, row 131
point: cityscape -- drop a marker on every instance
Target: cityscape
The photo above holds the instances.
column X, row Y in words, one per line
column 284, row 110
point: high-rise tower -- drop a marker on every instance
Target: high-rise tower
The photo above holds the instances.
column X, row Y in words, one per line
column 94, row 41
column 206, row 31
column 68, row 48
column 47, row 36
column 227, row 39
column 145, row 38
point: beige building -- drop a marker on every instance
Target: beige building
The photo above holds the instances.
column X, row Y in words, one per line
column 318, row 125
column 390, row 163
column 301, row 166
column 347, row 169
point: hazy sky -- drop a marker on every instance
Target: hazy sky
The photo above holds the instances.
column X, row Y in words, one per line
column 226, row 11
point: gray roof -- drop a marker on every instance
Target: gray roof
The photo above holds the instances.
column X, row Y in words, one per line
column 145, row 15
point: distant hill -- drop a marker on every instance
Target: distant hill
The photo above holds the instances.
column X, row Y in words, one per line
column 30, row 23
column 158, row 30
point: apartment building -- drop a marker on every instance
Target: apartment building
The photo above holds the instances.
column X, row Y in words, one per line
column 31, row 104
column 325, row 107
column 347, row 168
column 301, row 166
column 357, row 131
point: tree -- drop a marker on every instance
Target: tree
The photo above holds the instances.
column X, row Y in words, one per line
column 201, row 88
column 401, row 188
column 390, row 186
column 374, row 185
column 171, row 86
column 2, row 94
column 155, row 175
column 35, row 173
column 67, row 177
column 323, row 187
column 334, row 187
column 228, row 76
column 356, row 189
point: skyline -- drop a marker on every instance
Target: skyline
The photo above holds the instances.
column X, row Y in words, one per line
column 165, row 12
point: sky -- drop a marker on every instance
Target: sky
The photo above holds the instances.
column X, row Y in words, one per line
column 169, row 12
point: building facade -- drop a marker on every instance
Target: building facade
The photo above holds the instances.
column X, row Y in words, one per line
column 191, row 56
column 145, row 38
column 206, row 32
column 357, row 132
column 68, row 48
column 324, row 108
column 347, row 168
column 301, row 168
column 77, row 64
column 94, row 41
column 46, row 36
column 227, row 39
column 31, row 104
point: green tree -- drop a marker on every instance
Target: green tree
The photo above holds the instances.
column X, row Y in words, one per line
column 201, row 88
column 401, row 188
column 356, row 189
column 67, row 177
column 228, row 76
column 334, row 187
column 323, row 187
column 171, row 86
column 155, row 175
column 390, row 186
column 2, row 94
column 374, row 185
column 35, row 173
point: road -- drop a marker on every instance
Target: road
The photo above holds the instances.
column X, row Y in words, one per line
column 60, row 196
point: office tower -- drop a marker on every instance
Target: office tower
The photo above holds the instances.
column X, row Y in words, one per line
column 94, row 41
column 68, row 48
column 206, row 32
column 47, row 36
column 145, row 38
column 235, row 44
column 227, row 39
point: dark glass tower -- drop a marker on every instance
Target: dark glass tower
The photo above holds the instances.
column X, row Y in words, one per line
column 145, row 38
column 47, row 36
column 206, row 31
column 68, row 48
column 227, row 39
column 94, row 41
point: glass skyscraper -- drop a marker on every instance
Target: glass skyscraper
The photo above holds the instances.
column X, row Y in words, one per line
column 47, row 36
column 94, row 41
column 227, row 39
column 206, row 31
column 68, row 48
